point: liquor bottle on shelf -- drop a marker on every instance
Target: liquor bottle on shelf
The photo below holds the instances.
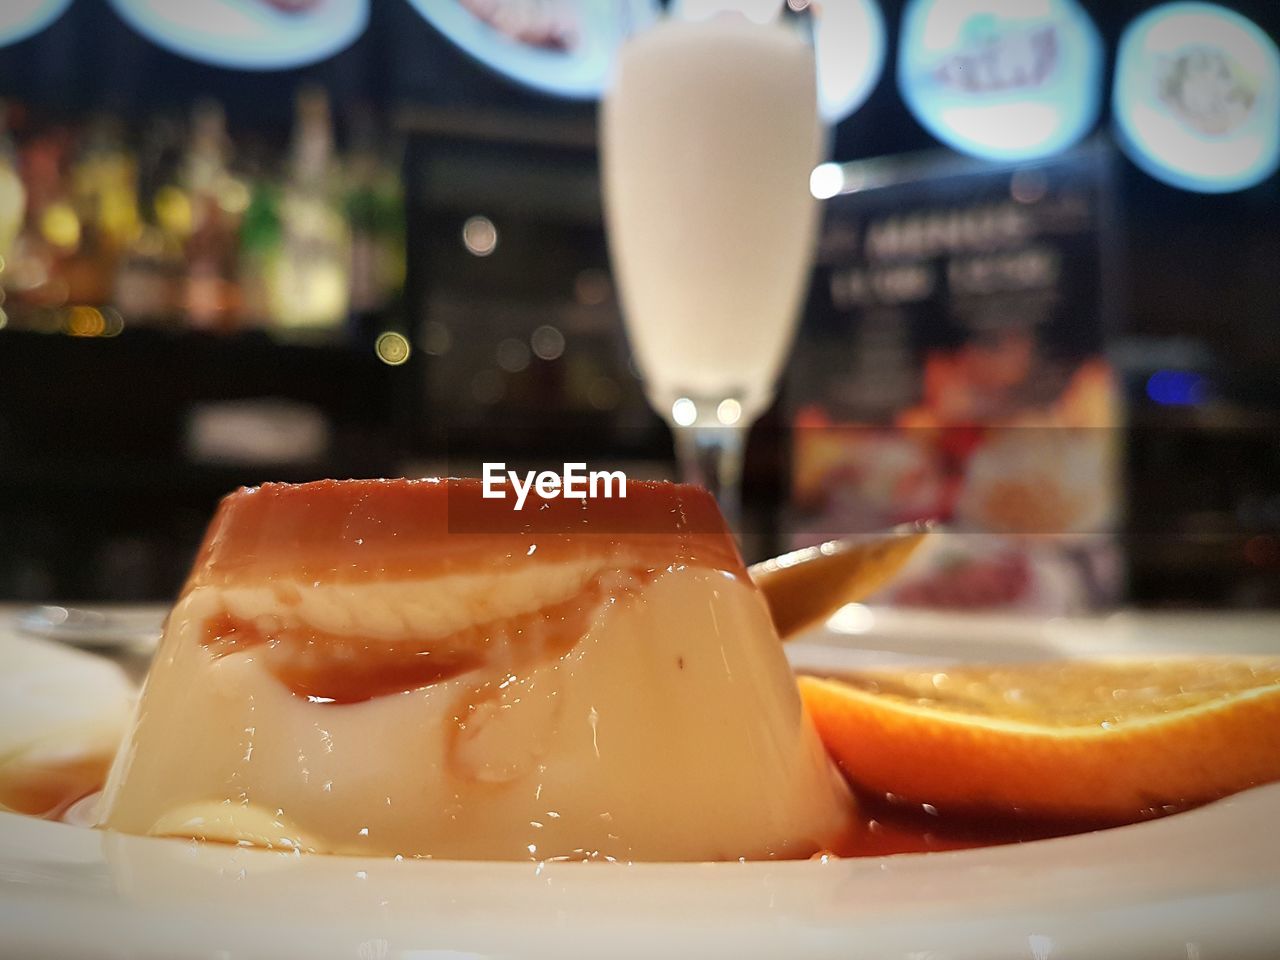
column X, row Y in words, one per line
column 13, row 193
column 103, row 196
column 309, row 280
column 217, row 201
column 149, row 283
column 51, row 235
column 375, row 211
column 261, row 236
column 104, row 184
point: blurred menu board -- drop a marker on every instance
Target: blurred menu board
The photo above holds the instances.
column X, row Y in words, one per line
column 951, row 368
column 20, row 19
column 249, row 34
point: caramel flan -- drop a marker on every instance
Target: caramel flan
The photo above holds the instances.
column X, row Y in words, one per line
column 406, row 668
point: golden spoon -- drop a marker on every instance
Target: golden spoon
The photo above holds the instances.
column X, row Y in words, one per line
column 804, row 587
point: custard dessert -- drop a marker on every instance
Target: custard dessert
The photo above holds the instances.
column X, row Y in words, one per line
column 405, row 668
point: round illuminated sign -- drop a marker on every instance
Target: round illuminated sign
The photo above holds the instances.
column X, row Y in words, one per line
column 1197, row 97
column 20, row 19
column 849, row 43
column 249, row 34
column 1002, row 79
column 564, row 48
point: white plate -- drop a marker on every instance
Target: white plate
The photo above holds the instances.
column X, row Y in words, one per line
column 1202, row 884
column 136, row 627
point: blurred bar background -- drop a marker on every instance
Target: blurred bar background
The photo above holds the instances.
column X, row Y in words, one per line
column 393, row 262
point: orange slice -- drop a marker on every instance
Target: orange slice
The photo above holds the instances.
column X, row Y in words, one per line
column 1113, row 740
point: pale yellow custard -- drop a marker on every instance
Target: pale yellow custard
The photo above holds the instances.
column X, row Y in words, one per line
column 552, row 691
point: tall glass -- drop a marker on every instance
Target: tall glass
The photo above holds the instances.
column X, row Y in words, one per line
column 709, row 135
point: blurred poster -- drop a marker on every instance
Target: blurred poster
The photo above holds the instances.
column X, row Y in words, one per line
column 1197, row 97
column 1004, row 79
column 952, row 368
column 20, row 19
column 562, row 47
column 249, row 34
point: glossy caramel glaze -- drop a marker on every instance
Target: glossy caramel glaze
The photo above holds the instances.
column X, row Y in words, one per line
column 349, row 531
column 888, row 827
column 336, row 668
column 884, row 828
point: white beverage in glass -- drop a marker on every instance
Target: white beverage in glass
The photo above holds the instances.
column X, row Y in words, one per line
column 709, row 136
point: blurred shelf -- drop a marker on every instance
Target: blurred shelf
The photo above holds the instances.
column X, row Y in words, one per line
column 563, row 127
column 181, row 365
column 250, row 339
column 178, row 480
column 120, row 406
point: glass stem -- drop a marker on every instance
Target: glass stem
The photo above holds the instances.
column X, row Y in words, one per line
column 712, row 457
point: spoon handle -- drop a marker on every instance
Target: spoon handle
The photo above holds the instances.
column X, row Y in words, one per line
column 806, row 586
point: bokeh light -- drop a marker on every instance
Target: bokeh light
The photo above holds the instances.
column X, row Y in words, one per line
column 547, row 343
column 85, row 322
column 826, row 181
column 392, row 348
column 479, row 236
column 1177, row 388
column 729, row 412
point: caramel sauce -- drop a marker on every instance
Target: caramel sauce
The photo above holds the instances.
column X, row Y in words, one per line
column 888, row 827
column 351, row 531
column 884, row 828
column 373, row 530
column 49, row 790
column 335, row 668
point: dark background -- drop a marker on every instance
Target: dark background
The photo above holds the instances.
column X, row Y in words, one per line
column 90, row 60
column 96, row 498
